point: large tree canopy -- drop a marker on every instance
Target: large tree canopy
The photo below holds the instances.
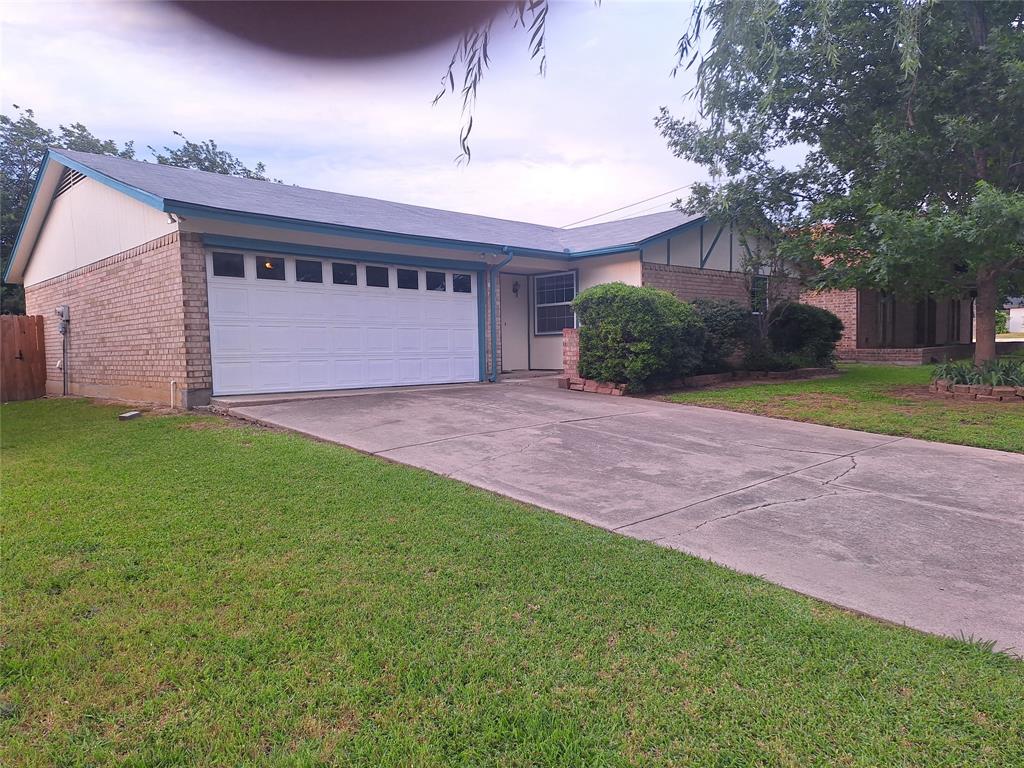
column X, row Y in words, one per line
column 913, row 114
column 23, row 143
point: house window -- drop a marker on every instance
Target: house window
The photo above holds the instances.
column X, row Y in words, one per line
column 409, row 279
column 759, row 294
column 553, row 304
column 270, row 268
column 228, row 265
column 308, row 271
column 343, row 274
column 462, row 283
column 377, row 277
column 436, row 281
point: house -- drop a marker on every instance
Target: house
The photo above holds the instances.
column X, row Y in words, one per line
column 883, row 327
column 179, row 285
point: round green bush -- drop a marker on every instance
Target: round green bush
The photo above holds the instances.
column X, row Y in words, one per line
column 636, row 336
column 804, row 332
column 728, row 329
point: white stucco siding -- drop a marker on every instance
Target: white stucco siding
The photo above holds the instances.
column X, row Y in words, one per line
column 88, row 223
column 620, row 268
column 685, row 249
column 656, row 252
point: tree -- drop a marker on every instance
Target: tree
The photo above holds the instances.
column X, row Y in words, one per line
column 914, row 115
column 207, row 156
column 23, row 143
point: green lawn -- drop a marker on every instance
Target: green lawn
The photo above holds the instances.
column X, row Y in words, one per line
column 180, row 591
column 887, row 399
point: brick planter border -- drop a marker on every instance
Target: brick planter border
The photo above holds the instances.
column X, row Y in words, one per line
column 978, row 392
column 577, row 384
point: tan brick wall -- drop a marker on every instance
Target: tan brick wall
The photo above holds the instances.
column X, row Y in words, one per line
column 134, row 316
column 689, row 283
column 571, row 352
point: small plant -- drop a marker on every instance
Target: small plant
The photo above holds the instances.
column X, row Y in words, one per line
column 1003, row 372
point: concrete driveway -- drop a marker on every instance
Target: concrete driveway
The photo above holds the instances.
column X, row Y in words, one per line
column 916, row 533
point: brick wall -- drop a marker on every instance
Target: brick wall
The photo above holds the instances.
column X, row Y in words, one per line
column 689, row 283
column 570, row 352
column 488, row 336
column 138, row 323
column 842, row 304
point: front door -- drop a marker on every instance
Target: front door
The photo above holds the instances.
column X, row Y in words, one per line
column 515, row 313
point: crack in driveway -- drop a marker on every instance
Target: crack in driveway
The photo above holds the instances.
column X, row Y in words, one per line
column 751, row 509
column 754, row 485
column 845, row 472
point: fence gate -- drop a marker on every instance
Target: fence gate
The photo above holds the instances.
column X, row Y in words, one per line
column 22, row 358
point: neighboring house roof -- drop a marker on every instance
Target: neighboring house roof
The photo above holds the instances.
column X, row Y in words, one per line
column 199, row 193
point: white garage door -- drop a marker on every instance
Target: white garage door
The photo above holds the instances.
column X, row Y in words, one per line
column 289, row 324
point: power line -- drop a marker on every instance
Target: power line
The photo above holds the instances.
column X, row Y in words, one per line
column 631, row 205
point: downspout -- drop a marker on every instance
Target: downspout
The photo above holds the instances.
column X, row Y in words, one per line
column 494, row 313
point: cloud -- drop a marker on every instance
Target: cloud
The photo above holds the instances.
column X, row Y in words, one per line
column 549, row 150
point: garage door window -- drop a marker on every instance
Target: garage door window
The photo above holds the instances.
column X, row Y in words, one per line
column 308, row 271
column 462, row 283
column 409, row 279
column 270, row 268
column 228, row 265
column 436, row 281
column 377, row 277
column 554, row 303
column 343, row 274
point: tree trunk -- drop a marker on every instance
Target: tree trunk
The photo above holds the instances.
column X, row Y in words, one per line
column 985, row 318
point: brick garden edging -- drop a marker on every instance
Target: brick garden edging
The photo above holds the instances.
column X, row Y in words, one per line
column 577, row 384
column 982, row 392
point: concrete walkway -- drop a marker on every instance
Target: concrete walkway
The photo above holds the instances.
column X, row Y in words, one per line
column 916, row 533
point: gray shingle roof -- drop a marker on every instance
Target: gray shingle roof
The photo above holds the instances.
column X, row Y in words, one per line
column 231, row 193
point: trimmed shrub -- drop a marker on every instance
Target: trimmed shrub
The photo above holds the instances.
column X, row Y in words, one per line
column 728, row 329
column 636, row 336
column 804, row 332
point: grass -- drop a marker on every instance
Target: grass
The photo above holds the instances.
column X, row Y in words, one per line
column 887, row 399
column 181, row 591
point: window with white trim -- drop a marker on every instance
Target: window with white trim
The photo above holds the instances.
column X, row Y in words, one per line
column 553, row 295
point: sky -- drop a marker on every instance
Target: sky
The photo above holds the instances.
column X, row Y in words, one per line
column 550, row 150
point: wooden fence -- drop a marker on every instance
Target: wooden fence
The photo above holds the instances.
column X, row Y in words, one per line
column 22, row 358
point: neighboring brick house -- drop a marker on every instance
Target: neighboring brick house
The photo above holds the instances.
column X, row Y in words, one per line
column 183, row 285
column 881, row 327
